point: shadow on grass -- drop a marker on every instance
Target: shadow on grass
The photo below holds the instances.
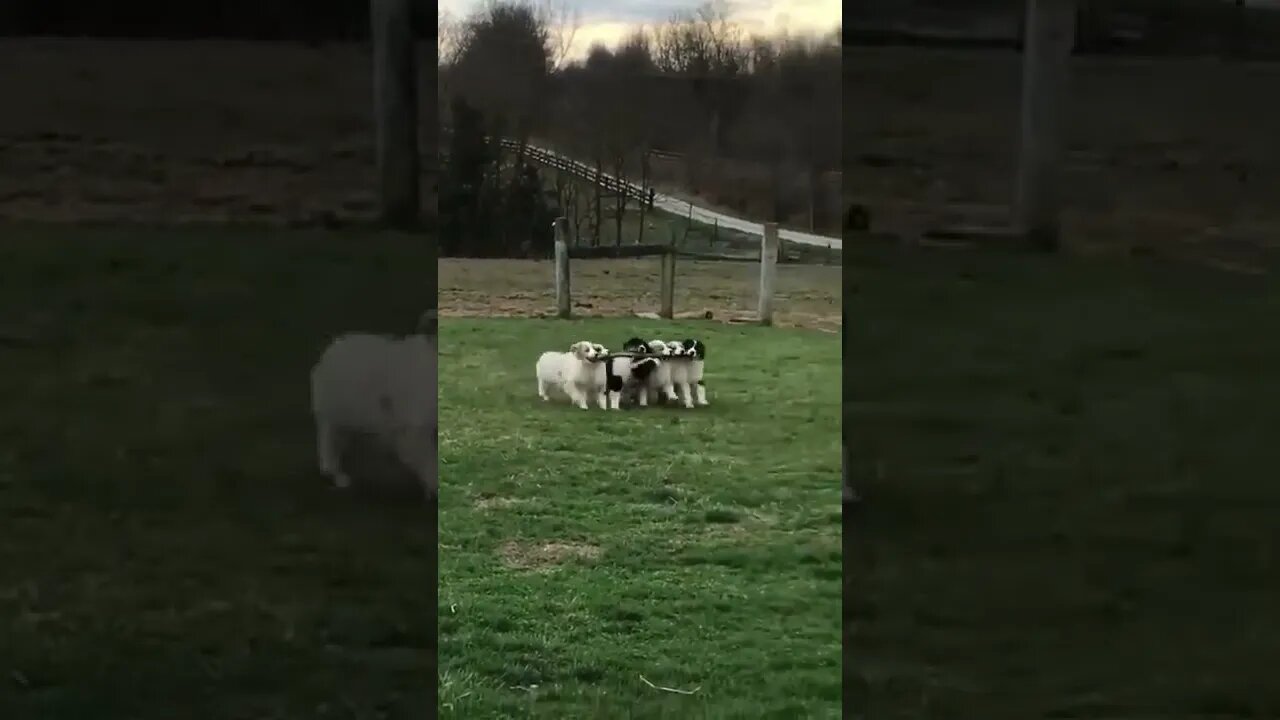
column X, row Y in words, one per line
column 168, row 547
column 1068, row 468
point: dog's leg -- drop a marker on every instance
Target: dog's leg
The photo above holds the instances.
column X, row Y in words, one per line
column 602, row 399
column 578, row 397
column 418, row 449
column 615, row 400
column 642, row 396
column 542, row 390
column 329, row 443
column 669, row 392
column 685, row 396
column 702, row 394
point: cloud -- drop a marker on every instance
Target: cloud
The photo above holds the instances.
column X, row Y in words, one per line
column 608, row 21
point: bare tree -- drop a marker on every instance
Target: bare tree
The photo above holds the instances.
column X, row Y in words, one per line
column 569, row 198
column 613, row 114
column 634, row 55
column 701, row 43
column 562, row 22
column 446, row 38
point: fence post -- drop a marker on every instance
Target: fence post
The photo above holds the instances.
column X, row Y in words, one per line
column 1046, row 59
column 768, row 272
column 395, row 101
column 668, row 289
column 562, row 267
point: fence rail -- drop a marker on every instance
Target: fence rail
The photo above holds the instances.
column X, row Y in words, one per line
column 580, row 170
column 658, row 201
column 564, row 252
column 618, row 251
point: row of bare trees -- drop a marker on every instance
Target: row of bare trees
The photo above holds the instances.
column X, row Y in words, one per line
column 698, row 85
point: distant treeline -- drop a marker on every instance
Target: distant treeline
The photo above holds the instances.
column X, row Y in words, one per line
column 1175, row 27
column 299, row 20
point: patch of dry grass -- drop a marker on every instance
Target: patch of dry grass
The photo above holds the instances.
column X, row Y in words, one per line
column 807, row 295
column 1159, row 151
column 178, row 131
column 545, row 555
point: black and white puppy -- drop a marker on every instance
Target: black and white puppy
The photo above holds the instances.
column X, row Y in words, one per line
column 657, row 386
column 661, row 386
column 626, row 376
column 696, row 351
column 638, row 393
column 681, row 365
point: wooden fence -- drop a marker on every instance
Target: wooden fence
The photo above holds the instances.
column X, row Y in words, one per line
column 580, row 170
column 564, row 251
column 639, row 193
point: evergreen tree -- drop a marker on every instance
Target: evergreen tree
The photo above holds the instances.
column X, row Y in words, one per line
column 463, row 220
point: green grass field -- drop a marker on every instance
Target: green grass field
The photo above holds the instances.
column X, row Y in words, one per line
column 167, row 548
column 1069, row 468
column 582, row 550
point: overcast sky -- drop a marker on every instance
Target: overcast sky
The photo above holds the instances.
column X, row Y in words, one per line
column 610, row 20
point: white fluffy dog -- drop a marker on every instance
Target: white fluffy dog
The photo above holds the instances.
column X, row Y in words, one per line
column 578, row 373
column 381, row 386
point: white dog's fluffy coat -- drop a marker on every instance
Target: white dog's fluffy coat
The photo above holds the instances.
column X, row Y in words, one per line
column 659, row 387
column 681, row 372
column 696, row 351
column 625, row 376
column 577, row 373
column 382, row 386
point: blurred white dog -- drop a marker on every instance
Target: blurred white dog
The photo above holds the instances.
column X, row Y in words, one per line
column 380, row 386
column 578, row 373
